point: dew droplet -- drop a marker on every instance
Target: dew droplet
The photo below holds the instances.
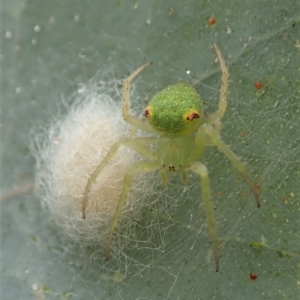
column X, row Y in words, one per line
column 8, row 35
column 37, row 28
column 18, row 90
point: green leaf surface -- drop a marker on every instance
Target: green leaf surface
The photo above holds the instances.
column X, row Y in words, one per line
column 51, row 47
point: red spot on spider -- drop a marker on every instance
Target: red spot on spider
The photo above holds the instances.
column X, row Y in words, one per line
column 258, row 85
column 193, row 116
column 253, row 276
column 147, row 112
column 211, row 21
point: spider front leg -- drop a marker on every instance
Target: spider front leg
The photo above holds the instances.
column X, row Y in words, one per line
column 136, row 123
column 138, row 167
column 215, row 117
column 135, row 144
column 216, row 140
column 200, row 169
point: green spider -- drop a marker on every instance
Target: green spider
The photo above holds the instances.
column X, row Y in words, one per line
column 181, row 131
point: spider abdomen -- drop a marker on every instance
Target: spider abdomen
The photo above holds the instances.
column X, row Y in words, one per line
column 174, row 154
column 176, row 109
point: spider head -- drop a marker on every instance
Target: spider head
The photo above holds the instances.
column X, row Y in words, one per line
column 175, row 110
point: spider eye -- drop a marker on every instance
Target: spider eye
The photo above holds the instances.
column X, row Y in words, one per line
column 147, row 112
column 192, row 116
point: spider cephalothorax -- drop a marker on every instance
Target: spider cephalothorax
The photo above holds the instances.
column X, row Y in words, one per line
column 176, row 109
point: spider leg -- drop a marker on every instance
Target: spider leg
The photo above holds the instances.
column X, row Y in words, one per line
column 217, row 125
column 135, row 144
column 184, row 175
column 215, row 139
column 200, row 143
column 135, row 122
column 214, row 117
column 138, row 167
column 200, row 169
column 163, row 176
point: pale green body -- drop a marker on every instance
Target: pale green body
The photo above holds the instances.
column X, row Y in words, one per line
column 175, row 152
column 169, row 113
column 180, row 134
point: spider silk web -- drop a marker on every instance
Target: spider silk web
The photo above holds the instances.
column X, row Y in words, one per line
column 164, row 250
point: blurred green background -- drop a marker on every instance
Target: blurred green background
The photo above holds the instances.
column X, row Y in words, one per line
column 50, row 47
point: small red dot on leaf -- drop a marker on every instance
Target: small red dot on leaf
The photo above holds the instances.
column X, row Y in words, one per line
column 253, row 276
column 258, row 85
column 211, row 21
